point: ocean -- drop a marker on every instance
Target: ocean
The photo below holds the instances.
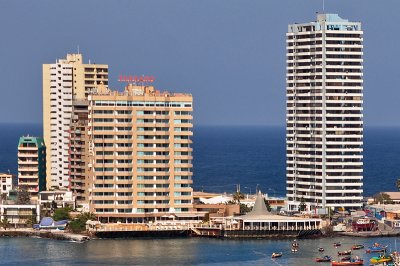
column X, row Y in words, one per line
column 252, row 156
column 224, row 157
column 178, row 251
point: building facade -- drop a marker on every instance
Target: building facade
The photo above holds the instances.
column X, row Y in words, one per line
column 65, row 81
column 324, row 130
column 8, row 183
column 140, row 153
column 79, row 145
column 32, row 165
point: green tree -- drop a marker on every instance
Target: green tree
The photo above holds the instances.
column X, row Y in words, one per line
column 237, row 196
column 4, row 198
column 62, row 214
column 244, row 208
column 383, row 198
column 398, row 184
column 267, row 205
column 302, row 206
column 31, row 221
column 5, row 223
column 206, row 217
column 79, row 223
column 23, row 196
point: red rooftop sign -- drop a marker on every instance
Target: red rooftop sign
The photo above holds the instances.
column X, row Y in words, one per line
column 135, row 79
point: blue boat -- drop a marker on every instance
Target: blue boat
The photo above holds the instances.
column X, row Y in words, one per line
column 376, row 248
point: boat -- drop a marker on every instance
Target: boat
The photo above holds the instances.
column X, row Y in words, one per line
column 325, row 258
column 321, row 249
column 344, row 253
column 295, row 244
column 365, row 224
column 276, row 255
column 346, row 258
column 356, row 247
column 341, row 227
column 348, row 263
column 337, row 244
column 381, row 259
column 376, row 248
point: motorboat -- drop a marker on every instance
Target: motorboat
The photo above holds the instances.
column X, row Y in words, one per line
column 344, row 253
column 325, row 258
column 337, row 244
column 356, row 247
column 352, row 262
column 276, row 255
column 365, row 224
column 376, row 248
column 381, row 259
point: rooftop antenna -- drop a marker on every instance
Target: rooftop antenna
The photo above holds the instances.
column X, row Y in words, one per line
column 323, row 6
column 78, row 49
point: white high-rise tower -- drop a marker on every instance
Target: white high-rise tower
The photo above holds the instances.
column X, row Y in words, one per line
column 324, row 121
column 64, row 82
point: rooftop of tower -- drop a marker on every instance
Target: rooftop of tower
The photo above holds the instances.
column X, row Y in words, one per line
column 132, row 89
column 330, row 18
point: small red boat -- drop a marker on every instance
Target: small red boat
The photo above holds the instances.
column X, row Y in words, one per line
column 347, row 263
column 356, row 247
column 338, row 244
column 346, row 258
column 324, row 259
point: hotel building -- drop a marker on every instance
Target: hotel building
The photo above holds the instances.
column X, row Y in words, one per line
column 32, row 165
column 65, row 81
column 324, row 130
column 140, row 154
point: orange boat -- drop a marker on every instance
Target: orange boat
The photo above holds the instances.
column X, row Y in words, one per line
column 347, row 263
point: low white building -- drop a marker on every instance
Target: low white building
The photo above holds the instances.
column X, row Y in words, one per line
column 19, row 215
column 8, row 182
column 59, row 198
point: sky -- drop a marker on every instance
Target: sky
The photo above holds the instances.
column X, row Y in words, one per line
column 230, row 54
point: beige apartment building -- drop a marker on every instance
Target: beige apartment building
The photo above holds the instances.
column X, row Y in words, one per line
column 140, row 154
column 64, row 82
column 324, row 131
column 78, row 157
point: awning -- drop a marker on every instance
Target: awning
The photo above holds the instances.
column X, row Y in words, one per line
column 183, row 215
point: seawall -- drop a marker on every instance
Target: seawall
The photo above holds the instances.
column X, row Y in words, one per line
column 52, row 234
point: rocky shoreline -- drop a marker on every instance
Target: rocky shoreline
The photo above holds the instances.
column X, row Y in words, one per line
column 51, row 234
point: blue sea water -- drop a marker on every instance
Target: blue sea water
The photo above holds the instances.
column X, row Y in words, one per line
column 250, row 156
column 224, row 157
column 179, row 251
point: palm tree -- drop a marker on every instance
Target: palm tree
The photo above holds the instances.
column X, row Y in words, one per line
column 5, row 223
column 88, row 216
column 3, row 198
column 237, row 196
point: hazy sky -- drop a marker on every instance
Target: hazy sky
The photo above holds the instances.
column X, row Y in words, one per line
column 229, row 54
